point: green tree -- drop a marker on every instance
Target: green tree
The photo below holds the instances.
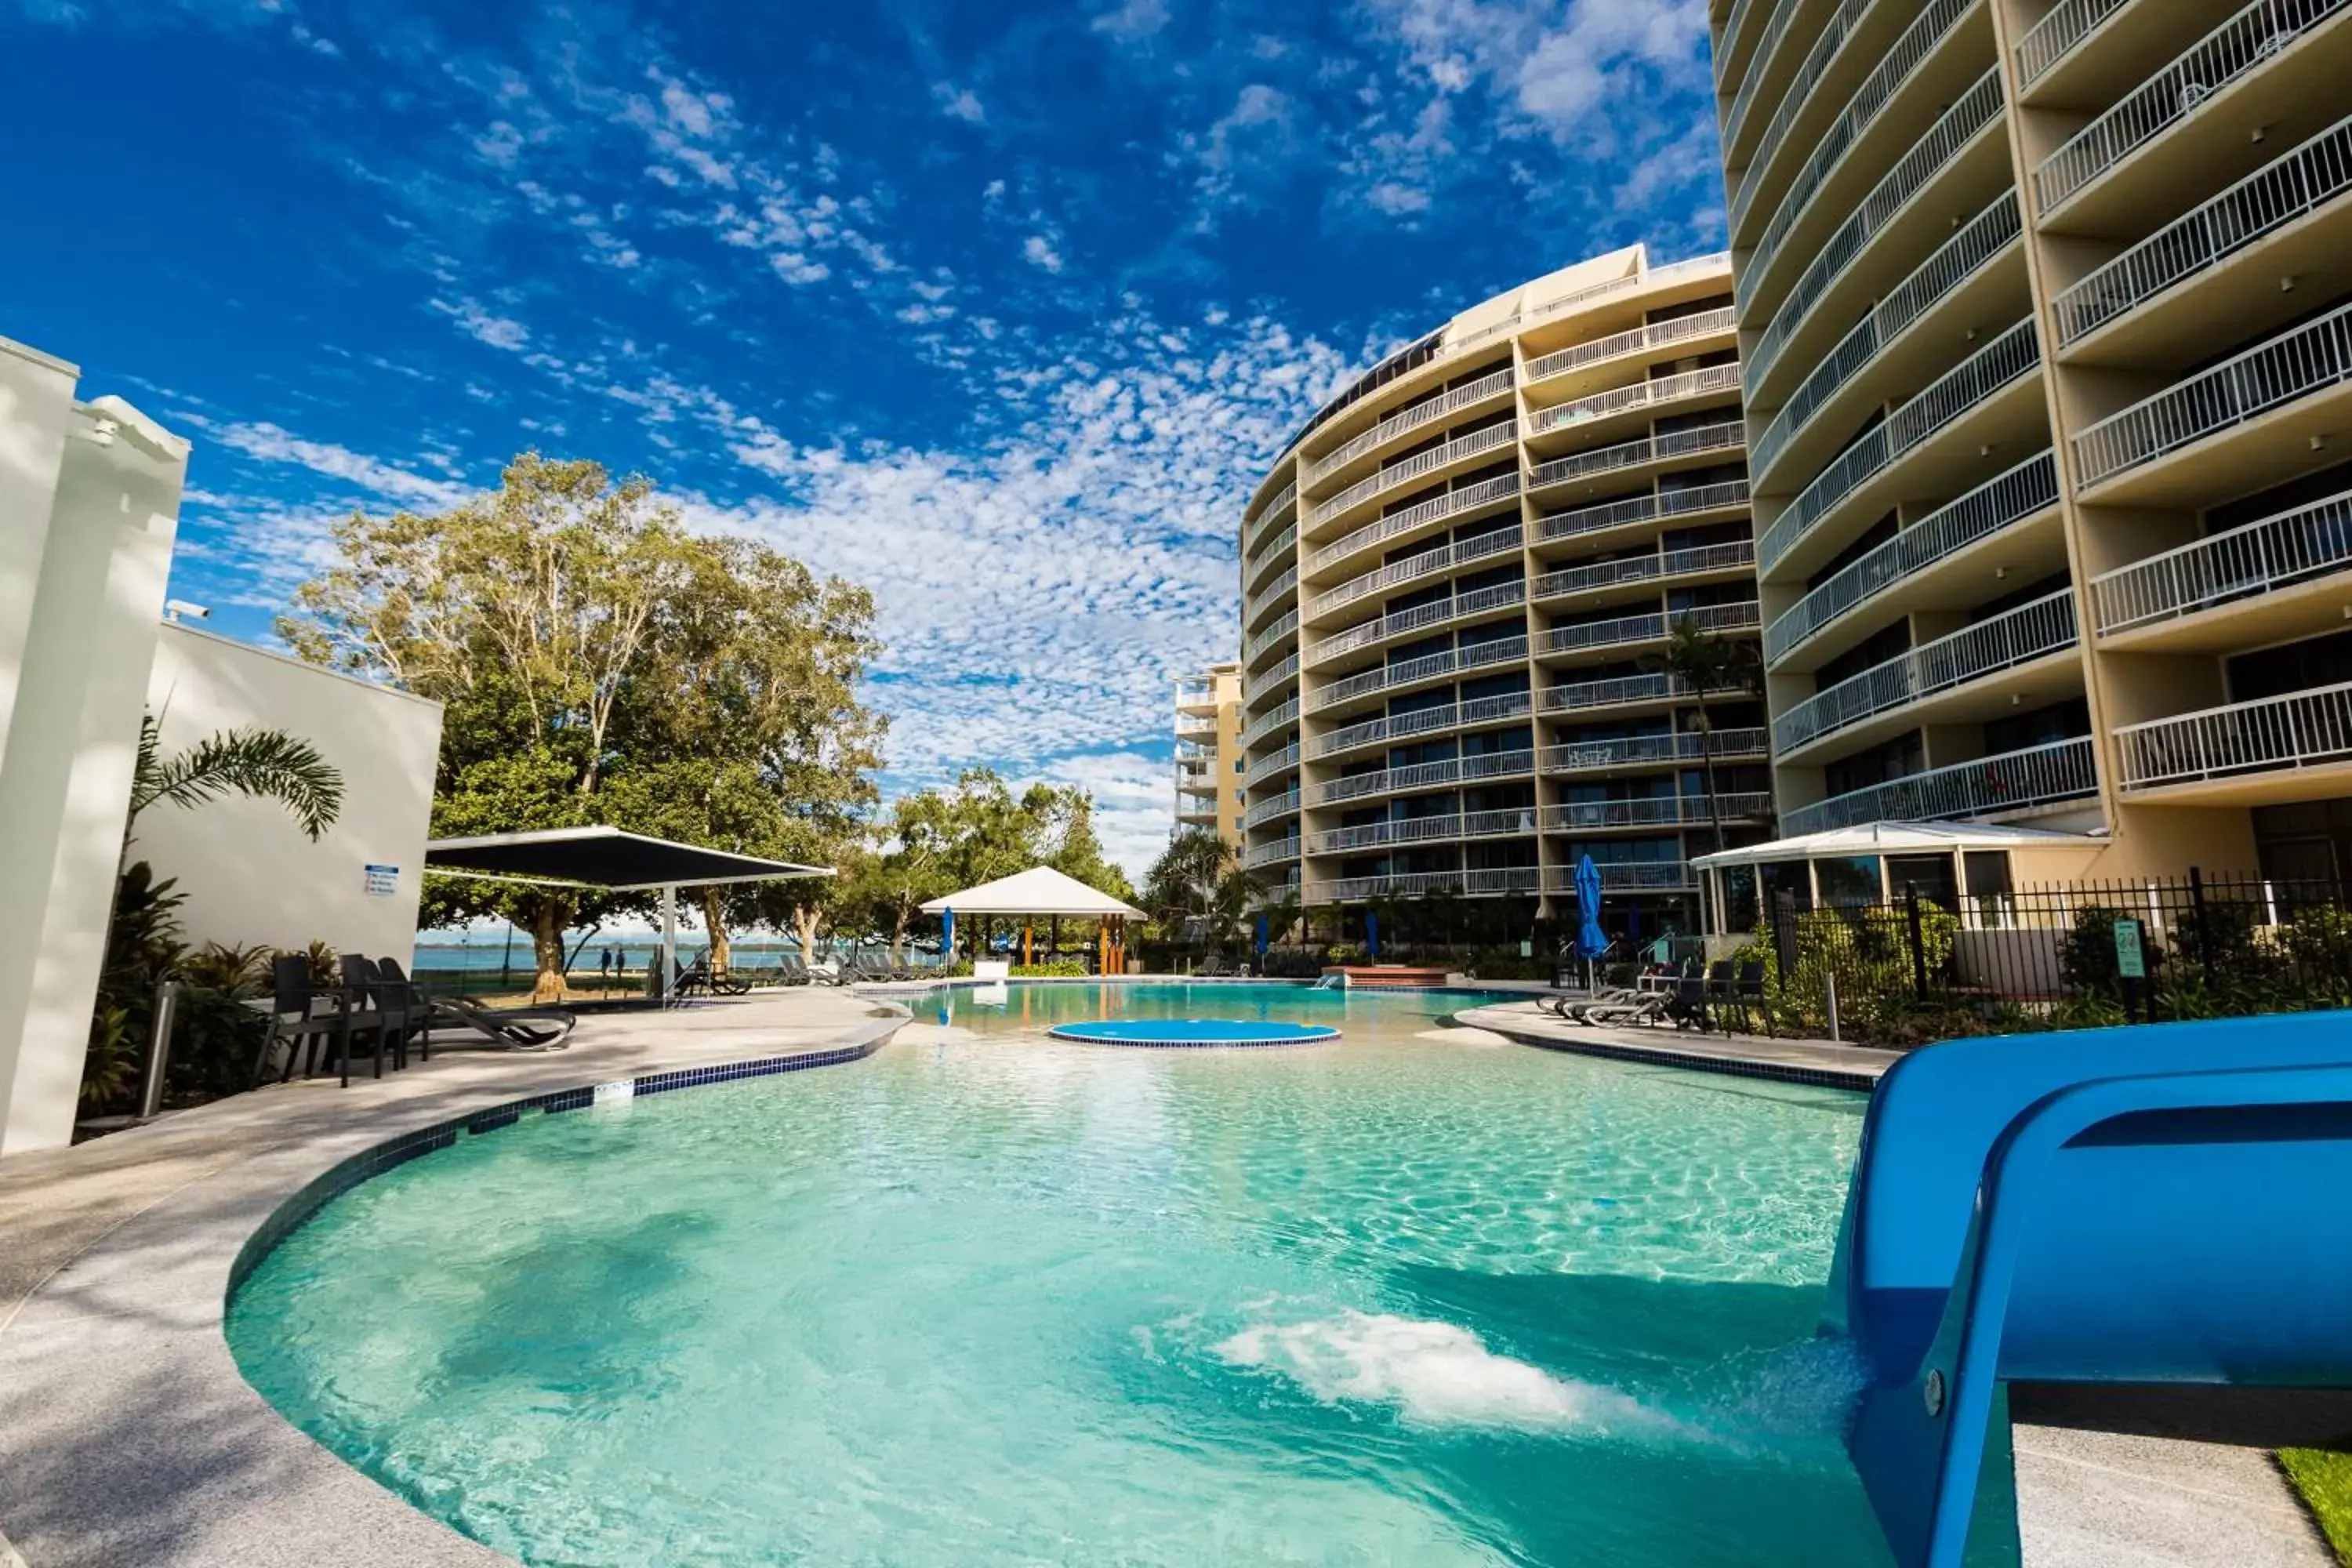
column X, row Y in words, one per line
column 260, row 764
column 1199, row 878
column 1707, row 665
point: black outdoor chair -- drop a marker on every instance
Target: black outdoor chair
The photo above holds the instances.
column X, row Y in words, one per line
column 418, row 1023
column 294, row 1021
column 367, row 1010
column 1686, row 1005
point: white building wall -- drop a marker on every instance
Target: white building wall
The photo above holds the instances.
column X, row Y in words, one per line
column 250, row 875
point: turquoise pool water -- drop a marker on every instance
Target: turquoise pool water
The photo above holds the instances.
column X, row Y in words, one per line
column 1359, row 1015
column 989, row 1299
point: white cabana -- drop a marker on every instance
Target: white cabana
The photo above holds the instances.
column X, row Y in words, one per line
column 1039, row 890
column 1872, row 861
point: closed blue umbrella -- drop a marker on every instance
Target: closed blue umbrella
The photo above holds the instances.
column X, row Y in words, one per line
column 1371, row 935
column 947, row 936
column 1590, row 942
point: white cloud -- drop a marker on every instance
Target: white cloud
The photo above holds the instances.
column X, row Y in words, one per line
column 484, row 326
column 958, row 103
column 1039, row 252
column 269, row 443
column 1134, row 20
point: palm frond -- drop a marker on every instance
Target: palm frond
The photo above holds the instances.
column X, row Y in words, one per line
column 262, row 765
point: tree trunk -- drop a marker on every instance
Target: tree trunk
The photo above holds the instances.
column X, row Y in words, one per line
column 897, row 937
column 1707, row 762
column 807, row 920
column 546, row 948
column 714, row 919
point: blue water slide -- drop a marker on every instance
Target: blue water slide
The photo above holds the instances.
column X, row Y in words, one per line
column 2169, row 1204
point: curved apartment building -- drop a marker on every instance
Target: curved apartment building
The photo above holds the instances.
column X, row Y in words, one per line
column 1453, row 583
column 2045, row 320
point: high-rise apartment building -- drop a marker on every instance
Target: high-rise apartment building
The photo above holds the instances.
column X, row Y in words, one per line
column 2045, row 326
column 1455, row 583
column 1209, row 751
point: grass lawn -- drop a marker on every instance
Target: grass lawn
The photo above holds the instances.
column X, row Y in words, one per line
column 2324, row 1478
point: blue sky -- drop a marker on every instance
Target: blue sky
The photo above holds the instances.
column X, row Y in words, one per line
column 1000, row 309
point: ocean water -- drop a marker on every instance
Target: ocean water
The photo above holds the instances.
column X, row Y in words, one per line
column 988, row 1299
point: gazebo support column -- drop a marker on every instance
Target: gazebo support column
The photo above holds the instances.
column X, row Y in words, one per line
column 669, row 942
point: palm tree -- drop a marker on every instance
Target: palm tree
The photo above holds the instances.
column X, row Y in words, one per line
column 262, row 765
column 1199, row 876
column 1704, row 662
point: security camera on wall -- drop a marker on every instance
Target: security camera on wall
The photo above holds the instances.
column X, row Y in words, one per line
column 175, row 610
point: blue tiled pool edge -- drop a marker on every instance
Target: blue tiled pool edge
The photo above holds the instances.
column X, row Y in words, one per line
column 1182, row 1034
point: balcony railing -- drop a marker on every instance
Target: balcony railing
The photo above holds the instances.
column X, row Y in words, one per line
column 1271, row 593
column 1414, row 884
column 1425, row 775
column 2310, row 541
column 1196, row 724
column 1903, row 59
column 1617, row 692
column 1626, row 629
column 1959, row 258
column 1260, row 687
column 1962, row 390
column 1272, row 765
column 1586, row 298
column 1827, row 43
column 1502, row 542
column 1478, row 656
column 1642, row 508
column 1421, row 618
column 2262, row 204
column 1641, row 340
column 1400, row 726
column 1268, row 722
column 2264, row 29
column 1641, row 394
column 1640, row 751
column 1684, row 810
column 1398, row 475
column 1975, row 109
column 1724, row 438
column 1468, row 498
column 1271, row 809
column 1274, row 550
column 2053, row 37
column 1423, row 829
column 1644, row 569
column 2308, row 359
column 2299, row 730
column 2015, row 637
column 2025, row 491
column 2014, row 780
column 1626, row 876
column 1273, row 854
column 1255, row 527
column 1283, row 626
column 1412, row 417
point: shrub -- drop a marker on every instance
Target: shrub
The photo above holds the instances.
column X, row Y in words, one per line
column 1060, row 969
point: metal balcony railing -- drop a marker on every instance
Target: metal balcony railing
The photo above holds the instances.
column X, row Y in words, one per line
column 1617, row 692
column 1502, row 542
column 1642, row 508
column 1672, row 811
column 2024, row 491
column 1644, row 569
column 1271, row 809
column 1400, row 726
column 1478, row 656
column 2029, row 632
column 1641, row 340
column 1626, row 629
column 1262, row 685
column 1275, row 762
column 2014, row 780
column 1584, row 298
column 1421, row 618
column 1827, row 44
column 1969, row 252
column 1413, row 417
column 1943, row 402
column 2296, row 364
column 2262, row 30
column 1423, row 829
column 1274, row 550
column 1588, row 756
column 1400, row 474
column 1902, row 59
column 1282, row 626
column 1969, row 116
column 1196, row 724
column 2296, row 546
column 1268, row 722
column 1195, row 693
column 1253, row 526
column 1273, row 854
column 1424, row 775
column 2299, row 730
column 1270, row 594
column 1454, row 502
column 1414, row 884
column 1627, row 877
column 1727, row 437
column 2055, row 37
column 1641, row 394
column 2263, row 202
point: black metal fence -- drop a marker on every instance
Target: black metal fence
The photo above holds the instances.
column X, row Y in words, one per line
column 2071, row 956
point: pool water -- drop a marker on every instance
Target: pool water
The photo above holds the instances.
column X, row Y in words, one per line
column 988, row 1299
column 1358, row 1015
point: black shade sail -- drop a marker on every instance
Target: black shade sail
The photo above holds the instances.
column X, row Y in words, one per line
column 603, row 858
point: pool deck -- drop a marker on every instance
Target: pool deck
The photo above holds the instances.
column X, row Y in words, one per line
column 1822, row 1062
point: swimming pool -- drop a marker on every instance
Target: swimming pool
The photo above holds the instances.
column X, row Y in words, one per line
column 990, row 1298
column 1358, row 1015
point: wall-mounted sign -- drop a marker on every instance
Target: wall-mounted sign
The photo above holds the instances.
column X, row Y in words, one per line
column 382, row 881
column 2131, row 958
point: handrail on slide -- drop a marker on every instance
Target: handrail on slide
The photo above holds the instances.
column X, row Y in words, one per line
column 2152, row 1205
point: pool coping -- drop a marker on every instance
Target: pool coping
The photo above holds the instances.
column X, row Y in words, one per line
column 1820, row 1064
column 129, row 1437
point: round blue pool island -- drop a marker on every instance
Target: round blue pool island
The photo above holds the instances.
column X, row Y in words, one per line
column 1193, row 1032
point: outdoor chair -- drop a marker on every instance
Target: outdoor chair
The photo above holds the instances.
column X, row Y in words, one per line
column 1214, row 967
column 1747, row 991
column 363, row 1012
column 418, row 1005
column 523, row 1030
column 294, row 1019
column 1647, row 1006
column 728, row 981
column 1686, row 1005
column 792, row 969
column 687, row 981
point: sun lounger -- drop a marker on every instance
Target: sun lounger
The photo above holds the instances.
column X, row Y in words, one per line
column 524, row 1029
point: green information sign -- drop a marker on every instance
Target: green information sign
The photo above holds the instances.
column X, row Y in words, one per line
column 2131, row 958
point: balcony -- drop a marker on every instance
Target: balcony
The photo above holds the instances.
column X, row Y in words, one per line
column 1942, row 147
column 2047, row 776
column 1259, row 856
column 1424, row 775
column 1275, row 550
column 2007, row 641
column 2244, row 752
column 1627, row 877
column 2268, row 377
column 1714, row 380
column 1198, row 814
column 1423, row 830
column 1502, row 542
column 1253, row 528
column 1196, row 724
column 1426, row 720
column 1827, row 43
column 1273, row 808
column 1616, row 514
column 1640, row 341
column 2053, row 37
column 1653, row 751
column 1436, row 509
column 1267, row 723
column 1413, row 671
column 1583, row 300
column 1271, row 636
column 2030, row 489
column 1418, row 884
column 1396, row 476
column 1707, row 561
column 2263, row 31
column 1966, row 256
column 1261, row 686
column 1672, row 811
column 1273, row 765
column 1944, row 402
column 1622, row 691
column 1628, row 630
column 1729, row 437
column 1412, row 417
column 1907, row 55
column 1196, row 694
column 2254, row 567
column 1420, row 618
column 1271, row 595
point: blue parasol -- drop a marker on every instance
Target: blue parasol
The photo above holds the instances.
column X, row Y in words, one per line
column 1372, row 936
column 947, row 936
column 1590, row 942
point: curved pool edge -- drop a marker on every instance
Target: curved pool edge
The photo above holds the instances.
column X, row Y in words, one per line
column 1817, row 1063
column 129, row 1437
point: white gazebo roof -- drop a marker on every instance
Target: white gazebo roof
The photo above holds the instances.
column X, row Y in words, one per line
column 1895, row 838
column 1039, row 890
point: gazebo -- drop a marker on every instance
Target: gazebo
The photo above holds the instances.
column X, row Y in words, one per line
column 1040, row 890
column 1966, row 866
